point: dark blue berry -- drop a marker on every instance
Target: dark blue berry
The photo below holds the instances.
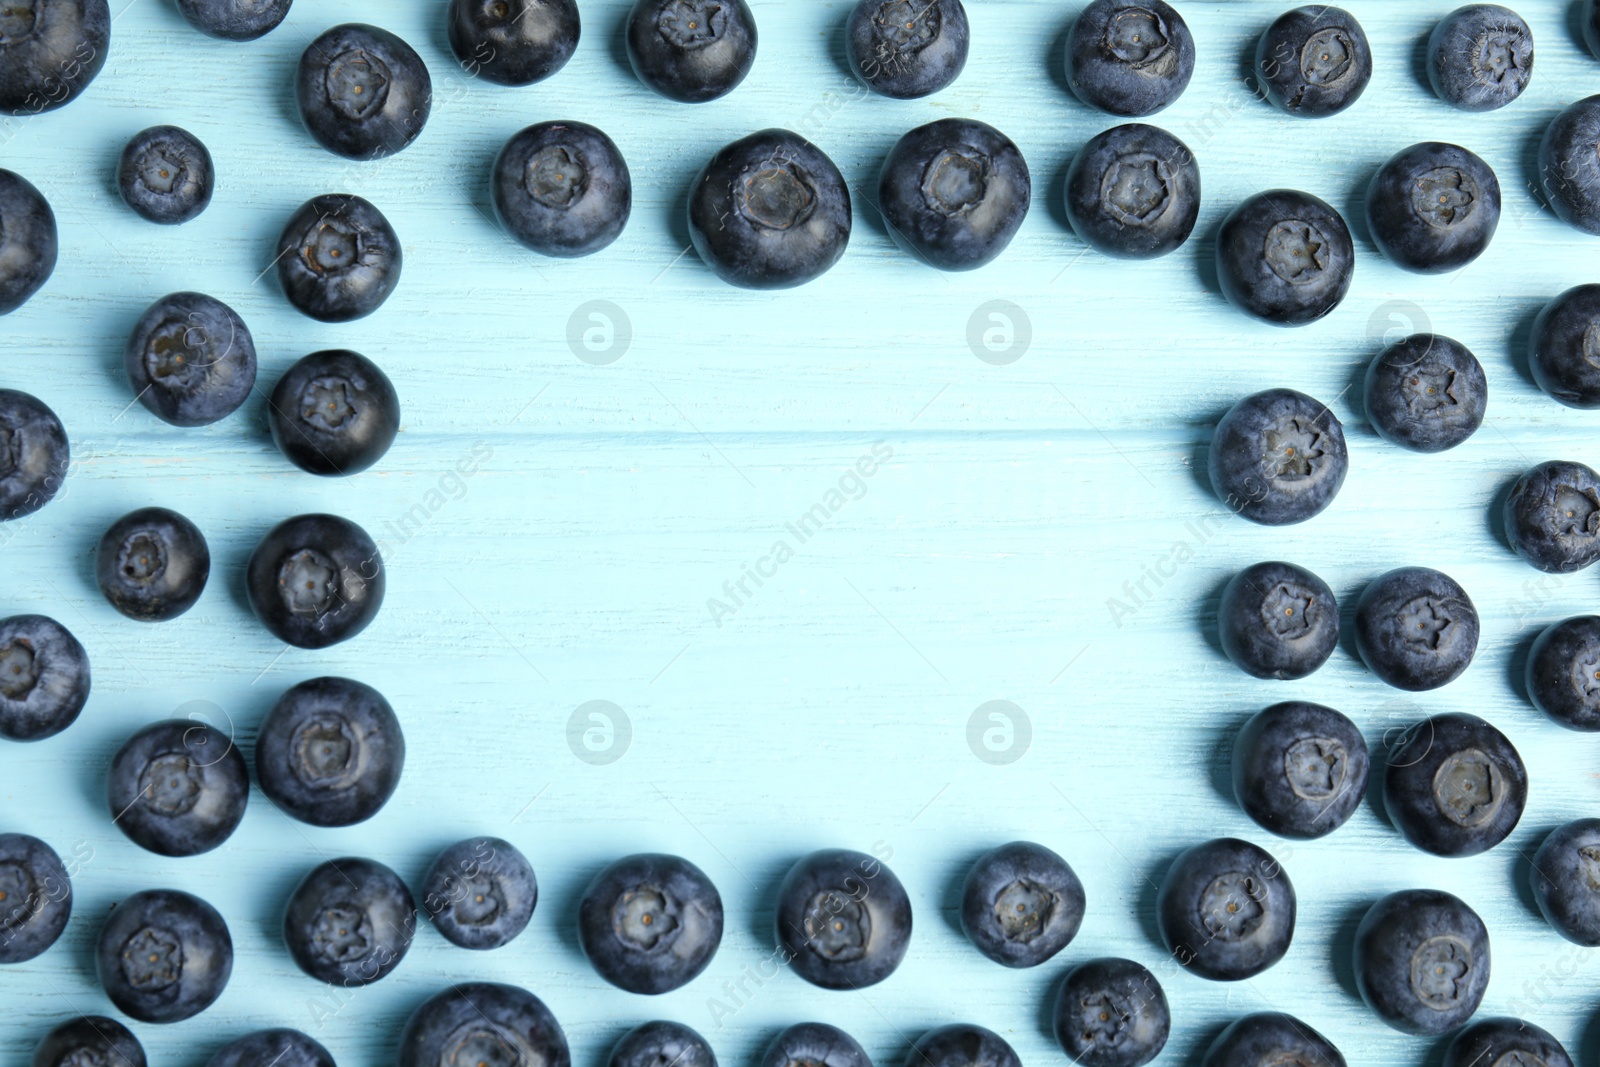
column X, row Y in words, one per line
column 1563, row 674
column 1226, row 910
column 483, row 1022
column 1505, row 1041
column 35, row 897
column 1564, row 346
column 1433, row 207
column 165, row 175
column 349, row 922
column 89, row 1041
column 513, row 42
column 662, row 1044
column 1129, row 58
column 1021, row 904
column 843, row 919
column 691, row 50
column 1278, row 621
column 28, row 242
column 1285, row 257
column 1565, row 872
column 50, row 50
column 1427, row 393
column 1278, row 457
column 34, row 454
column 1454, row 785
column 363, row 92
column 44, row 678
column 330, row 752
column 1422, row 960
column 190, row 360
column 334, row 413
column 807, row 1044
column 1271, row 1037
column 1134, row 192
column 907, row 49
column 1569, row 167
column 277, row 1048
column 1300, row 769
column 152, row 564
column 481, row 893
column 562, row 189
column 650, row 923
column 234, row 20
column 1480, row 58
column 1552, row 517
column 315, row 580
column 338, row 258
column 1313, row 61
column 178, row 788
column 164, row 956
column 1416, row 628
column 1111, row 1013
column 954, row 193
column 961, row 1045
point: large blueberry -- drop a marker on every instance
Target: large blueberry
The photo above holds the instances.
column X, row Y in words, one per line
column 1278, row 621
column 234, row 20
column 1552, row 516
column 1133, row 191
column 35, row 897
column 650, row 923
column 338, row 258
column 1285, row 257
column 349, row 922
column 277, row 1048
column 315, row 580
column 691, row 50
column 562, row 189
column 1565, row 872
column 1564, row 346
column 1563, row 674
column 483, row 1023
column 44, row 678
column 165, row 175
column 1313, row 61
column 1427, row 393
column 152, row 564
column 1129, row 58
column 1422, row 960
column 1226, row 910
column 190, row 360
column 1300, row 769
column 89, row 1041
column 330, row 752
column 1433, row 207
column 363, row 92
column 814, row 1045
column 178, row 787
column 770, row 211
column 1111, row 1012
column 1416, row 628
column 662, row 1044
column 1480, row 58
column 1569, row 166
column 954, row 193
column 481, row 893
column 34, row 454
column 1454, row 786
column 334, row 413
column 1278, row 457
column 1505, row 1042
column 50, row 50
column 164, row 956
column 1021, row 904
column 843, row 919
column 906, row 49
column 961, row 1045
column 28, row 241
column 513, row 42
column 1271, row 1039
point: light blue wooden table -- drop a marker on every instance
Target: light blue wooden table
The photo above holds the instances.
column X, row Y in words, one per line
column 628, row 466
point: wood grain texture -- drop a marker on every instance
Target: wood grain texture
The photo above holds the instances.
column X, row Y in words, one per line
column 610, row 503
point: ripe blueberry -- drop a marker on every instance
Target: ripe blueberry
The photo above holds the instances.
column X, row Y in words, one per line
column 1566, row 880
column 1416, row 628
column 954, row 193
column 1563, row 673
column 1300, row 769
column 1569, row 167
column 334, row 413
column 152, row 564
column 650, row 923
column 1111, row 1013
column 1129, row 58
column 28, row 242
column 1480, row 58
column 843, row 919
column 1133, row 192
column 44, row 678
column 907, row 49
column 165, row 175
column 315, row 580
column 1454, row 785
column 330, row 752
column 1426, row 393
column 1564, row 346
column 662, row 1044
column 349, row 922
column 1285, row 257
column 961, row 1045
column 1505, row 1041
column 483, row 1022
column 178, row 788
column 190, row 360
column 1021, row 904
column 562, row 189
column 363, row 92
column 1422, row 960
column 89, row 1041
column 481, row 893
column 513, row 42
column 35, row 897
column 50, row 50
column 1271, row 1037
column 1278, row 457
column 770, row 211
column 814, row 1045
column 691, row 50
column 34, row 454
column 1278, row 621
column 338, row 258
column 1552, row 517
column 1313, row 61
column 1226, row 910
column 164, row 956
column 1433, row 208
column 280, row 1048
column 234, row 20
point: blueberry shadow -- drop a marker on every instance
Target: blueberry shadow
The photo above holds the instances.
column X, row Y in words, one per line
column 1521, row 337
column 1575, row 12
column 83, row 558
column 762, row 917
column 1355, row 392
column 1199, row 1040
column 109, row 165
column 1347, row 621
column 1517, row 662
column 1047, row 1007
column 1247, row 68
column 288, row 99
column 1379, row 755
column 238, row 564
column 1494, row 515
column 93, row 767
column 1521, row 875
column 1209, row 613
column 839, row 49
column 1355, row 208
column 439, row 38
column 1221, row 763
column 1057, row 200
column 1435, row 1056
column 1203, row 247
column 867, row 193
column 479, row 185
column 1055, row 60
column 955, row 889
column 1532, row 171
column 565, row 905
column 617, row 43
column 1149, row 891
column 677, row 209
column 271, row 900
column 1419, row 63
column 1589, row 1040
column 1341, row 948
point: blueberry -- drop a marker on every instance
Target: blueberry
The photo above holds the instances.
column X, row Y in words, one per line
column 1111, row 1013
column 1564, row 672
column 334, row 413
column 1268, row 1038
column 1313, row 61
column 483, row 1022
column 164, row 956
column 770, row 211
column 814, row 1045
column 1480, row 58
column 280, row 1048
column 1552, row 517
column 190, row 360
column 89, row 1041
column 28, row 243
column 330, row 752
column 44, row 678
column 1422, row 960
column 843, row 919
column 315, row 580
column 1021, row 904
column 1426, row 393
column 1505, row 1041
column 691, row 50
column 152, row 564
column 562, row 189
column 954, row 193
column 178, row 788
column 1416, row 628
column 349, row 922
column 1564, row 346
column 1454, row 785
column 961, row 1045
column 1128, row 58
column 363, row 92
column 513, row 42
column 1278, row 457
column 338, row 258
column 1226, row 910
column 1278, row 621
column 50, row 50
column 34, row 454
column 35, row 897
column 1285, row 257
column 1300, row 769
column 662, row 1044
column 481, row 893
column 165, row 175
column 234, row 20
column 1565, row 872
column 1133, row 191
column 1433, row 208
column 1569, row 167
column 650, row 923
column 905, row 49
